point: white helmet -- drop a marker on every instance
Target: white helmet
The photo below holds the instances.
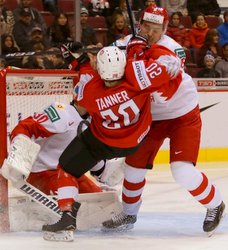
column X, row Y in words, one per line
column 111, row 62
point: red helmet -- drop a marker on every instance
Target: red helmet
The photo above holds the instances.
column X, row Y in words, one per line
column 155, row 14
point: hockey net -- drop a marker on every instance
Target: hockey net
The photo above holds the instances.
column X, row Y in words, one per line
column 23, row 93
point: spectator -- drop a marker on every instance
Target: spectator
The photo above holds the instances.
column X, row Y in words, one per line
column 36, row 61
column 177, row 31
column 54, row 55
column 51, row 5
column 222, row 66
column 138, row 5
column 98, row 8
column 198, row 31
column 3, row 63
column 149, row 2
column 60, row 31
column 7, row 19
column 223, row 29
column 93, row 50
column 119, row 28
column 122, row 9
column 208, row 71
column 211, row 45
column 8, row 46
column 207, row 7
column 176, row 6
column 38, row 40
column 35, row 14
column 88, row 35
column 22, row 29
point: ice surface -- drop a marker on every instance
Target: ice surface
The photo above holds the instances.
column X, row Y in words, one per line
column 169, row 219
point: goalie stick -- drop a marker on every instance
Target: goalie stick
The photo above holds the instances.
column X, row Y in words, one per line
column 38, row 196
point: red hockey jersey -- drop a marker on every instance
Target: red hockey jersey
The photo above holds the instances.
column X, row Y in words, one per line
column 121, row 116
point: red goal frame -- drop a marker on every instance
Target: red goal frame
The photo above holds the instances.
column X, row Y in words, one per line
column 4, row 209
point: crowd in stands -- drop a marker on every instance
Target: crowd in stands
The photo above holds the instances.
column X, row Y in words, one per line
column 41, row 26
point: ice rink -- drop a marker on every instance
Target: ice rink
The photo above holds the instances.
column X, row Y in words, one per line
column 169, row 219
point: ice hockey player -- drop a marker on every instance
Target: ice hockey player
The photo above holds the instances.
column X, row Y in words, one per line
column 178, row 119
column 120, row 111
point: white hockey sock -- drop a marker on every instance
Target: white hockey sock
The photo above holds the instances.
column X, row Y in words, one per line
column 134, row 182
column 196, row 183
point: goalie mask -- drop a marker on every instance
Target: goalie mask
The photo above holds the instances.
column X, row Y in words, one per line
column 111, row 62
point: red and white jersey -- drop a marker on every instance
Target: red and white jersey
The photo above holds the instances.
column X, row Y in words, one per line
column 53, row 129
column 121, row 115
column 186, row 97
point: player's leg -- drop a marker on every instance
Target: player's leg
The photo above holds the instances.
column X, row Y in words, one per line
column 79, row 157
column 67, row 195
column 184, row 147
column 46, row 181
column 136, row 166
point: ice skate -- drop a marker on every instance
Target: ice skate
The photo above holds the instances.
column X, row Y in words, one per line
column 63, row 230
column 213, row 218
column 119, row 223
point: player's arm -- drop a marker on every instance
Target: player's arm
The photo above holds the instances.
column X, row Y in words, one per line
column 23, row 150
column 81, row 110
column 32, row 127
column 150, row 67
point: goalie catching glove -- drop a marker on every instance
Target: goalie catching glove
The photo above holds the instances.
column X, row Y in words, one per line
column 136, row 47
column 72, row 57
column 22, row 155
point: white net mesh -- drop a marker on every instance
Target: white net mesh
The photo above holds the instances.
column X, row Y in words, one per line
column 30, row 94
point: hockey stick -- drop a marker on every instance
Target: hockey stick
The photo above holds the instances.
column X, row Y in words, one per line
column 38, row 196
column 130, row 17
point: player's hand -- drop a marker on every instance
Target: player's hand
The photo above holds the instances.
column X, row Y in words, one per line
column 136, row 47
column 68, row 57
column 74, row 47
column 73, row 63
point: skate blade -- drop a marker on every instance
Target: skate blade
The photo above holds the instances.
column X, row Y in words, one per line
column 209, row 234
column 123, row 228
column 67, row 236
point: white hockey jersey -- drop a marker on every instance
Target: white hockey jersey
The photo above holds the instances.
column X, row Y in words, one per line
column 53, row 129
column 186, row 97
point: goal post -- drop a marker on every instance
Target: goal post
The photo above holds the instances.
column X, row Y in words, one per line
column 24, row 92
column 4, row 212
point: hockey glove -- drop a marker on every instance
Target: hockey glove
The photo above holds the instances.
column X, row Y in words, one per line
column 136, row 48
column 74, row 47
column 68, row 57
column 73, row 63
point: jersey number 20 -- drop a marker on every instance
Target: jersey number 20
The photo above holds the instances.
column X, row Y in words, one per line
column 125, row 111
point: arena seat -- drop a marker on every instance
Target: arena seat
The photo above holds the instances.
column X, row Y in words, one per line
column 186, row 21
column 213, row 21
column 11, row 5
column 66, row 6
column 192, row 70
column 97, row 22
